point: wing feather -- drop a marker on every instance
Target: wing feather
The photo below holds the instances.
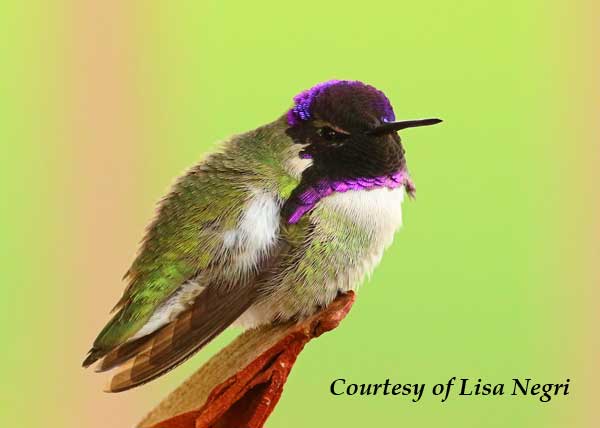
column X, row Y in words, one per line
column 195, row 236
column 179, row 340
column 213, row 311
column 185, row 238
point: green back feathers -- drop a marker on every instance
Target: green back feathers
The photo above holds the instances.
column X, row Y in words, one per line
column 187, row 233
column 180, row 243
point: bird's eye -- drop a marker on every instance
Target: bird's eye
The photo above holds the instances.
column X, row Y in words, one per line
column 331, row 135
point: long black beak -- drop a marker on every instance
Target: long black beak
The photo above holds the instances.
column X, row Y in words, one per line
column 390, row 127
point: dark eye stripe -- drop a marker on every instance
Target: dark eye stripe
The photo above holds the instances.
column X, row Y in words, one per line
column 331, row 135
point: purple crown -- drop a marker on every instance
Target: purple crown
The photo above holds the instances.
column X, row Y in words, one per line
column 301, row 110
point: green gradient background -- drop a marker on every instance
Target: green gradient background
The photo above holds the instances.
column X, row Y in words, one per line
column 492, row 277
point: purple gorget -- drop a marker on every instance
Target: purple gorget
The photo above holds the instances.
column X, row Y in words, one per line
column 307, row 200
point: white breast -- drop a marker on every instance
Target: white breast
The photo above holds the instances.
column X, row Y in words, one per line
column 378, row 211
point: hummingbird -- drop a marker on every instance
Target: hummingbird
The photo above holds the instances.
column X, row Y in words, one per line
column 270, row 228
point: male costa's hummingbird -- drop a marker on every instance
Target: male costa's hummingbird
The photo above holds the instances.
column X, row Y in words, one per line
column 269, row 228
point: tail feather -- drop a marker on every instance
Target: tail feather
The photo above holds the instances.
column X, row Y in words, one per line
column 168, row 347
column 121, row 354
column 93, row 356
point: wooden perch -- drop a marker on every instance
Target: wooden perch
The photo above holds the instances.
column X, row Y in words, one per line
column 241, row 385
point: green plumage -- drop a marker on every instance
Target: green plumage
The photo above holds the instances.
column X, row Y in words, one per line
column 326, row 252
column 269, row 228
column 187, row 233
